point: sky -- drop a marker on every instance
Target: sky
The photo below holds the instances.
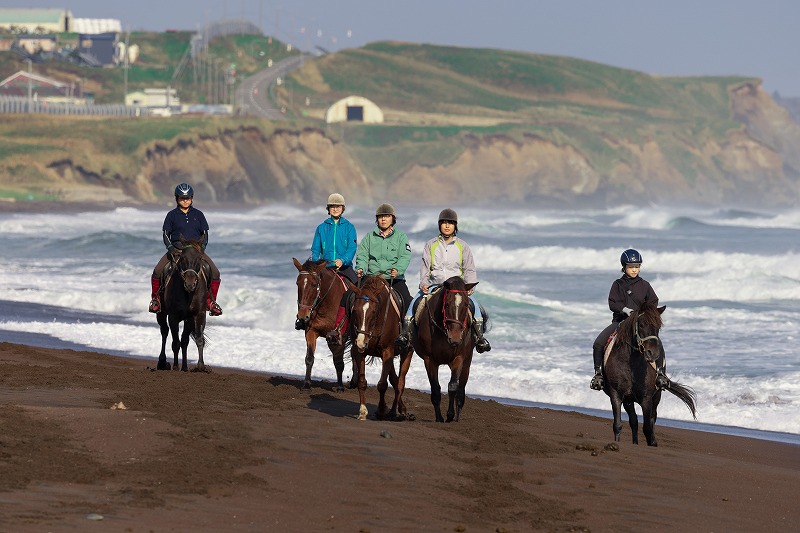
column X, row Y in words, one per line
column 660, row 37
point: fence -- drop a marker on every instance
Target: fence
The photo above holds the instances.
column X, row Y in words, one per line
column 20, row 104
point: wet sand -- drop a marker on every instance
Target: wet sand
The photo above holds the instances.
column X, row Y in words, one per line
column 242, row 451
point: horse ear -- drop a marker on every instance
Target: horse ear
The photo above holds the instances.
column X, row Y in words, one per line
column 661, row 309
column 471, row 285
column 297, row 264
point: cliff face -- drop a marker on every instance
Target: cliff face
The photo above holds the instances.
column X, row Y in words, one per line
column 757, row 165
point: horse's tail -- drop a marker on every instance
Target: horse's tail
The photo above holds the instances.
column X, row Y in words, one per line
column 205, row 337
column 686, row 394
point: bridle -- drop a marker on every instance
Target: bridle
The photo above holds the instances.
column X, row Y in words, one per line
column 445, row 319
column 318, row 287
column 639, row 340
column 369, row 333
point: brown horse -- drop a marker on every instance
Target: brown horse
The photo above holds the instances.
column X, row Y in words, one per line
column 319, row 291
column 184, row 300
column 375, row 320
column 444, row 337
column 629, row 374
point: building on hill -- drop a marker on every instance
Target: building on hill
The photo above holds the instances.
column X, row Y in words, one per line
column 34, row 20
column 99, row 49
column 155, row 98
column 354, row 109
column 96, row 26
column 42, row 88
column 36, row 43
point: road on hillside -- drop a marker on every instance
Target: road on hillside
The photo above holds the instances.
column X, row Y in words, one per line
column 253, row 93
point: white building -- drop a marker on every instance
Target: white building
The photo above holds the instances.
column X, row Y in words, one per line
column 155, row 98
column 354, row 109
column 95, row 26
column 34, row 20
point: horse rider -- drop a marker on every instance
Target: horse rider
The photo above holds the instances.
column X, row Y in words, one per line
column 627, row 294
column 335, row 241
column 384, row 251
column 188, row 223
column 443, row 257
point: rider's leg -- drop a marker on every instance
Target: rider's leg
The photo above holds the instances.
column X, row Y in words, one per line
column 481, row 343
column 155, row 284
column 211, row 299
column 662, row 381
column 598, row 352
column 404, row 338
column 334, row 336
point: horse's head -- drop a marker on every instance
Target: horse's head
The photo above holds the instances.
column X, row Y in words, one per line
column 646, row 325
column 368, row 305
column 190, row 264
column 309, row 284
column 455, row 309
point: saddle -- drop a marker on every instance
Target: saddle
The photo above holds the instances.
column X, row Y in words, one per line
column 172, row 265
column 610, row 346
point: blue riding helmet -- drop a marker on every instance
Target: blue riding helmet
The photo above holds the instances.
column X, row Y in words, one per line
column 184, row 190
column 630, row 256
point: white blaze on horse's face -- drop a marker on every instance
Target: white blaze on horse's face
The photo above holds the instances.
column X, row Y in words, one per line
column 360, row 315
column 454, row 322
column 307, row 292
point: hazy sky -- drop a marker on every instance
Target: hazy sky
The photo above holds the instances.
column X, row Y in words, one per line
column 669, row 37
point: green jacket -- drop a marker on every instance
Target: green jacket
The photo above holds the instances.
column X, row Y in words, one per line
column 379, row 255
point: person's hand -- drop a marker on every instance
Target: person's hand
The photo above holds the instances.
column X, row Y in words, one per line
column 360, row 272
column 338, row 263
column 424, row 288
column 469, row 292
column 627, row 310
column 393, row 273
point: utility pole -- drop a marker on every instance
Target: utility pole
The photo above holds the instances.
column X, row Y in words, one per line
column 30, row 86
column 127, row 55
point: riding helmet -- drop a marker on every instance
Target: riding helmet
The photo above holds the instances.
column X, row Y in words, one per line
column 449, row 214
column 384, row 209
column 630, row 256
column 184, row 190
column 335, row 199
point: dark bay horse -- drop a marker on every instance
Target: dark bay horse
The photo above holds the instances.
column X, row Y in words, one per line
column 319, row 291
column 444, row 337
column 629, row 374
column 375, row 321
column 184, row 301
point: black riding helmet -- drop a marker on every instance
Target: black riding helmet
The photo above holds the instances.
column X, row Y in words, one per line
column 184, row 190
column 451, row 216
column 630, row 257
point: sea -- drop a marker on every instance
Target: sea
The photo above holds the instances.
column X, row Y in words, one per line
column 730, row 279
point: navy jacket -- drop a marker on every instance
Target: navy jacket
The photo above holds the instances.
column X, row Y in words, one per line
column 190, row 226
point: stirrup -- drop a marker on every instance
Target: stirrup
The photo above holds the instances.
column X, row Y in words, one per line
column 482, row 345
column 597, row 382
column 214, row 309
column 155, row 305
column 334, row 337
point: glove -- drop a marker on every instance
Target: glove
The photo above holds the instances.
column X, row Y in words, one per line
column 627, row 310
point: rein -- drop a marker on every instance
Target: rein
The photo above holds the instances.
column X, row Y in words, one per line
column 369, row 333
column 446, row 320
column 317, row 299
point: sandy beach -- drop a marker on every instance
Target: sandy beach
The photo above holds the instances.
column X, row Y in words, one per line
column 95, row 442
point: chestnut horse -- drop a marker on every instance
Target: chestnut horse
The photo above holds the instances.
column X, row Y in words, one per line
column 319, row 291
column 184, row 301
column 629, row 374
column 375, row 319
column 444, row 337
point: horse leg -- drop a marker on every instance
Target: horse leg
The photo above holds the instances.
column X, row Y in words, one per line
column 200, row 340
column 649, row 418
column 338, row 364
column 174, row 328
column 311, row 346
column 462, row 387
column 162, row 357
column 399, row 408
column 383, row 384
column 188, row 329
column 452, row 388
column 436, row 389
column 616, row 402
column 353, row 383
column 633, row 419
column 362, row 388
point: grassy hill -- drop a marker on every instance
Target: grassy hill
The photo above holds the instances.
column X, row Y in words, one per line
column 456, row 91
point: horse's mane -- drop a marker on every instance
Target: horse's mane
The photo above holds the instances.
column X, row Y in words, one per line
column 314, row 266
column 189, row 243
column 648, row 314
column 373, row 284
column 455, row 283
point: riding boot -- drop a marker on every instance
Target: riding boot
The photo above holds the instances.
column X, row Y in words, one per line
column 481, row 343
column 597, row 380
column 662, row 381
column 334, row 336
column 404, row 339
column 155, row 302
column 211, row 299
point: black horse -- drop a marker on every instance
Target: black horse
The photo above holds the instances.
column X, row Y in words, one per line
column 184, row 300
column 629, row 373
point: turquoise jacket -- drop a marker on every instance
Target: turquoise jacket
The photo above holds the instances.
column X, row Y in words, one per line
column 379, row 255
column 334, row 241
